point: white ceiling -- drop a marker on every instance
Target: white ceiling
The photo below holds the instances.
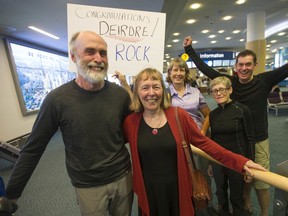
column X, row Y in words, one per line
column 16, row 15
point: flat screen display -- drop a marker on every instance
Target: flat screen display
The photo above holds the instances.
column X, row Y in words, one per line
column 36, row 71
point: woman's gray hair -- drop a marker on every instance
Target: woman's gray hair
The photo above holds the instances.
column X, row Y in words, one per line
column 221, row 80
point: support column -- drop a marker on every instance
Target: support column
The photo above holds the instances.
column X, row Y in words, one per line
column 256, row 38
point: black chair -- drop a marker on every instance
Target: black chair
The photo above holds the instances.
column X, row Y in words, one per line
column 285, row 96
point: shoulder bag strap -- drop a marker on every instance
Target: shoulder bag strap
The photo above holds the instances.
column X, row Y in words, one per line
column 188, row 152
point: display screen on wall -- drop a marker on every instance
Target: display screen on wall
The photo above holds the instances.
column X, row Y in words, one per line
column 36, row 71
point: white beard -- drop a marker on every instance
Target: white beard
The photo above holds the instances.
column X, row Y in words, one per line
column 91, row 75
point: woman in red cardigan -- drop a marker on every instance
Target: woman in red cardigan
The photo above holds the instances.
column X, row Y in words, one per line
column 160, row 173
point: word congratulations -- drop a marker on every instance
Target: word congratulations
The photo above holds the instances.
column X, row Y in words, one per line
column 83, row 14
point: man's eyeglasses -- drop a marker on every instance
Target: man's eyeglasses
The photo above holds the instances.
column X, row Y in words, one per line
column 221, row 90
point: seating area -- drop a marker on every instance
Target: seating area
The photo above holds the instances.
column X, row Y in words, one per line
column 277, row 100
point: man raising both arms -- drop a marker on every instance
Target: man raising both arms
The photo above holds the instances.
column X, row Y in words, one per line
column 253, row 92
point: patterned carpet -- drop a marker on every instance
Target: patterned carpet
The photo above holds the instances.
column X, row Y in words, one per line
column 49, row 191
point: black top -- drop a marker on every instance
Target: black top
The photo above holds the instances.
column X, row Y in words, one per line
column 232, row 127
column 158, row 158
column 253, row 94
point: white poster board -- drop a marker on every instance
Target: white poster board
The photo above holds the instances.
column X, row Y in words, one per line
column 135, row 38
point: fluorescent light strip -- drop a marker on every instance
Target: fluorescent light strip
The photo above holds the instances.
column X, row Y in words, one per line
column 276, row 28
column 44, row 32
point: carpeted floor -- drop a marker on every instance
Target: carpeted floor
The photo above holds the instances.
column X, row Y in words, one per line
column 49, row 191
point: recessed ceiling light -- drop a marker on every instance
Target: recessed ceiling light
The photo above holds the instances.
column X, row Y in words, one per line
column 195, row 6
column 236, row 31
column 205, row 31
column 221, row 31
column 268, row 45
column 228, row 38
column 240, row 1
column 43, row 32
column 190, row 21
column 212, row 36
column 273, row 41
column 281, row 33
column 213, row 41
column 241, row 40
column 176, row 40
column 169, row 45
column 194, row 42
column 176, row 34
column 227, row 18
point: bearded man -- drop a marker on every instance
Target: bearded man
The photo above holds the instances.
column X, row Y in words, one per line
column 89, row 112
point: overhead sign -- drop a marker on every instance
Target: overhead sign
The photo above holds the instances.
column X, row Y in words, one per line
column 135, row 38
column 217, row 55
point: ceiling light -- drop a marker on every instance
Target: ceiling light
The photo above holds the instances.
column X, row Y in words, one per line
column 212, row 36
column 194, row 42
column 43, row 32
column 176, row 34
column 268, row 45
column 240, row 1
column 273, row 41
column 213, row 41
column 236, row 31
column 228, row 38
column 274, row 50
column 195, row 6
column 205, row 31
column 169, row 45
column 176, row 40
column 241, row 40
column 190, row 21
column 221, row 31
column 227, row 18
column 281, row 33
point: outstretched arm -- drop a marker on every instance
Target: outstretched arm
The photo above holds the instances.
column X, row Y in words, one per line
column 201, row 65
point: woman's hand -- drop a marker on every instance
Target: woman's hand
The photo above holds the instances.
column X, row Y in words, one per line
column 118, row 75
column 123, row 82
column 251, row 165
column 187, row 41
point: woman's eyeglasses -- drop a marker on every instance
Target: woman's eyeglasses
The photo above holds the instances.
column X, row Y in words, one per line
column 221, row 90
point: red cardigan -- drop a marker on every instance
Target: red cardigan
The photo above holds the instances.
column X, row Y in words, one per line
column 193, row 135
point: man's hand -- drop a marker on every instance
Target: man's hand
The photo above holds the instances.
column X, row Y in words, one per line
column 7, row 206
column 187, row 41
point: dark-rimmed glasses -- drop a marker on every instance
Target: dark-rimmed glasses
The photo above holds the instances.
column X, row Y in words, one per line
column 221, row 90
